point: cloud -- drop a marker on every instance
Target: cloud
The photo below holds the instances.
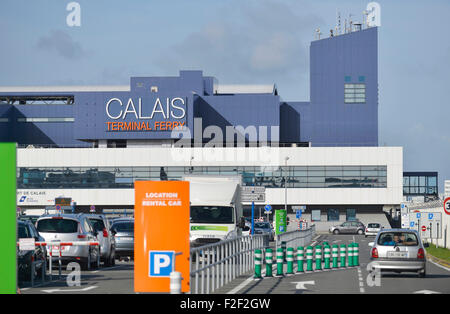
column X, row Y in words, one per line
column 62, row 43
column 260, row 41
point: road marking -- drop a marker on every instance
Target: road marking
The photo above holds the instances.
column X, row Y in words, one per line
column 361, row 282
column 70, row 290
column 426, row 292
column 438, row 265
column 301, row 284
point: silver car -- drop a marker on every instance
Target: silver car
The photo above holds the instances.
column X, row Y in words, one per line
column 123, row 232
column 372, row 229
column 398, row 250
column 70, row 228
column 105, row 237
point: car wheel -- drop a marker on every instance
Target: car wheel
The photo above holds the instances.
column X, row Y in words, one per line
column 360, row 232
column 335, row 231
column 422, row 273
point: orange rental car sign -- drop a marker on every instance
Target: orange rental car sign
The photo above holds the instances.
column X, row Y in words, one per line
column 161, row 234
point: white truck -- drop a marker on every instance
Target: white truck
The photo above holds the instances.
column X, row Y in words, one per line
column 216, row 208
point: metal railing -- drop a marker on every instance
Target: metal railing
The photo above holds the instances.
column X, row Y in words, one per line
column 296, row 238
column 215, row 265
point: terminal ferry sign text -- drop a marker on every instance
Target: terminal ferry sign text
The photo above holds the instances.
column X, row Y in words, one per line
column 141, row 115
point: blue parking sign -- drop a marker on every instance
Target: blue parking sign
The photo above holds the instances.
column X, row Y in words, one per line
column 418, row 215
column 161, row 263
column 430, row 216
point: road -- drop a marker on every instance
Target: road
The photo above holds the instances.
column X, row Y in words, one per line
column 342, row 281
column 119, row 279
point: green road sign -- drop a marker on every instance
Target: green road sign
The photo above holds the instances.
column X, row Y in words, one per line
column 280, row 221
column 8, row 273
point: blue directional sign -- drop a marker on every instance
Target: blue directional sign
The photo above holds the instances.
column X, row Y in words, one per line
column 418, row 215
column 267, row 208
column 411, row 224
column 298, row 214
column 161, row 263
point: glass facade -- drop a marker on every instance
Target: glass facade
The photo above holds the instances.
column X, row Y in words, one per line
column 269, row 177
column 420, row 183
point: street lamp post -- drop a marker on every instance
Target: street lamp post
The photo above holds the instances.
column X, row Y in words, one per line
column 285, row 185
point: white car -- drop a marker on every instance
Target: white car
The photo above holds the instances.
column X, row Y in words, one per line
column 246, row 229
column 372, row 229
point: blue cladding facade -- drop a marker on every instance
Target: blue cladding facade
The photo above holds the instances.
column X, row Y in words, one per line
column 347, row 59
column 342, row 111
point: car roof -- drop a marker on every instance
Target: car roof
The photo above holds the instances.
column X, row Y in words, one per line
column 71, row 216
column 95, row 216
column 398, row 230
column 123, row 220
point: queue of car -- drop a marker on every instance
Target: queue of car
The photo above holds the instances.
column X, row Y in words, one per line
column 115, row 237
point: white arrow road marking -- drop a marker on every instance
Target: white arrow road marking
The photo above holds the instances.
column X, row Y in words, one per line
column 426, row 292
column 70, row 290
column 301, row 284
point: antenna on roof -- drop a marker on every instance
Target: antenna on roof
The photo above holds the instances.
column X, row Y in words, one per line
column 365, row 18
column 351, row 23
column 338, row 22
column 318, row 33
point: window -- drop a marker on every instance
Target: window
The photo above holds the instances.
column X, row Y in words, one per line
column 333, row 214
column 36, row 120
column 354, row 93
column 351, row 214
column 398, row 239
column 315, row 215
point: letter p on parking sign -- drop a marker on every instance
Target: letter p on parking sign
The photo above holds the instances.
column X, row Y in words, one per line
column 161, row 263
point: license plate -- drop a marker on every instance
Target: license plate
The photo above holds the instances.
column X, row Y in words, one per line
column 396, row 254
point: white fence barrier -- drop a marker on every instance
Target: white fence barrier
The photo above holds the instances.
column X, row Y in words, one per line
column 215, row 265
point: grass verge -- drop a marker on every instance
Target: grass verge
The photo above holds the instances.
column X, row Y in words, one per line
column 441, row 253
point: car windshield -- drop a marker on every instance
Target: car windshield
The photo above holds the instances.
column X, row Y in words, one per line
column 123, row 227
column 97, row 224
column 373, row 226
column 57, row 225
column 262, row 225
column 212, row 214
column 23, row 231
column 398, row 239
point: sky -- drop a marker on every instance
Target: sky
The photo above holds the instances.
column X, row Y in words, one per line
column 241, row 42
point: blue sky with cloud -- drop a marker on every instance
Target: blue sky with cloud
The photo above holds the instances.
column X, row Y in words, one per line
column 241, row 41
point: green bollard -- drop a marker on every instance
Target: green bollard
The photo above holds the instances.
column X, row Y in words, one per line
column 326, row 257
column 290, row 261
column 335, row 255
column 269, row 260
column 318, row 257
column 279, row 262
column 355, row 254
column 309, row 258
column 300, row 258
column 342, row 253
column 350, row 255
column 258, row 264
